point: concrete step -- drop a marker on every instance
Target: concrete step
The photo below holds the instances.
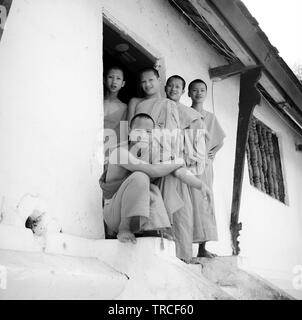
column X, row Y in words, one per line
column 151, row 266
column 240, row 284
column 61, row 266
column 33, row 276
column 114, row 270
column 158, row 274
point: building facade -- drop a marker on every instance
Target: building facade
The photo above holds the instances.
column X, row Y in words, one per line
column 52, row 55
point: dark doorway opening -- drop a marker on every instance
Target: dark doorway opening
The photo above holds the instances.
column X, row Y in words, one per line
column 120, row 50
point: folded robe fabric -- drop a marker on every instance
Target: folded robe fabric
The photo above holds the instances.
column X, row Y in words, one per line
column 164, row 112
column 205, row 228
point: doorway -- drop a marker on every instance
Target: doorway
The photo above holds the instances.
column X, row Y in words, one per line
column 119, row 49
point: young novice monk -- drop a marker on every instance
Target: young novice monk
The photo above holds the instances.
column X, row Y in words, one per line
column 165, row 114
column 133, row 203
column 194, row 153
column 162, row 110
column 191, row 124
column 205, row 221
column 115, row 110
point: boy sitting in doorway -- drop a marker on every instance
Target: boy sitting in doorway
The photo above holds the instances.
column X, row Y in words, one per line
column 133, row 203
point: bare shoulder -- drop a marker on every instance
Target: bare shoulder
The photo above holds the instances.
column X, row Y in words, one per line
column 132, row 107
column 122, row 105
column 134, row 101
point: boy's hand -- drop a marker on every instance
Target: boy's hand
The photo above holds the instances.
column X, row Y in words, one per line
column 211, row 155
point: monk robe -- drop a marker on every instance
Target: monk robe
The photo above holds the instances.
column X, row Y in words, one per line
column 205, row 228
column 132, row 195
column 116, row 132
column 164, row 112
column 194, row 154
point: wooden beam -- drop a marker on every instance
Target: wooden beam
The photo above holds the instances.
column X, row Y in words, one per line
column 223, row 72
column 248, row 99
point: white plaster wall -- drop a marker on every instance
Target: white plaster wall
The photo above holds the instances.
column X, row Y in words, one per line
column 51, row 113
column 271, row 238
column 185, row 53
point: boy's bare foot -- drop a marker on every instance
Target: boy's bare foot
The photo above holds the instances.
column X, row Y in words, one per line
column 126, row 236
column 168, row 236
column 185, row 261
column 195, row 260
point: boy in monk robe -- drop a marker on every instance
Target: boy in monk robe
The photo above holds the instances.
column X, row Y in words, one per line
column 115, row 110
column 165, row 114
column 193, row 152
column 205, row 221
column 162, row 110
column 133, row 203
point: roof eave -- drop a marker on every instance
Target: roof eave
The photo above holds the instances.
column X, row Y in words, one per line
column 240, row 32
column 243, row 26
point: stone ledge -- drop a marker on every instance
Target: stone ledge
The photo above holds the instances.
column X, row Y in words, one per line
column 17, row 238
column 121, row 271
column 65, row 244
column 243, row 285
column 42, row 276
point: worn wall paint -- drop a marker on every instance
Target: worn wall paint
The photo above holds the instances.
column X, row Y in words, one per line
column 51, row 114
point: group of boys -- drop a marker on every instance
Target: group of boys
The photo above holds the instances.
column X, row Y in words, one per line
column 171, row 192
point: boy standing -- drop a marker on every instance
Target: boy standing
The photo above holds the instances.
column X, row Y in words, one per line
column 205, row 221
column 193, row 151
column 115, row 110
column 164, row 112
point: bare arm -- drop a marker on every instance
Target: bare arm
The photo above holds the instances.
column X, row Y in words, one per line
column 193, row 181
column 152, row 170
column 212, row 153
column 131, row 108
column 188, row 178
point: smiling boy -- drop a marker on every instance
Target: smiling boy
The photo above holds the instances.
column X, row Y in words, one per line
column 204, row 220
column 162, row 110
column 194, row 154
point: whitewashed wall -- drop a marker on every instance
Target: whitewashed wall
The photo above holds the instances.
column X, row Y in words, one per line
column 271, row 238
column 51, row 114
